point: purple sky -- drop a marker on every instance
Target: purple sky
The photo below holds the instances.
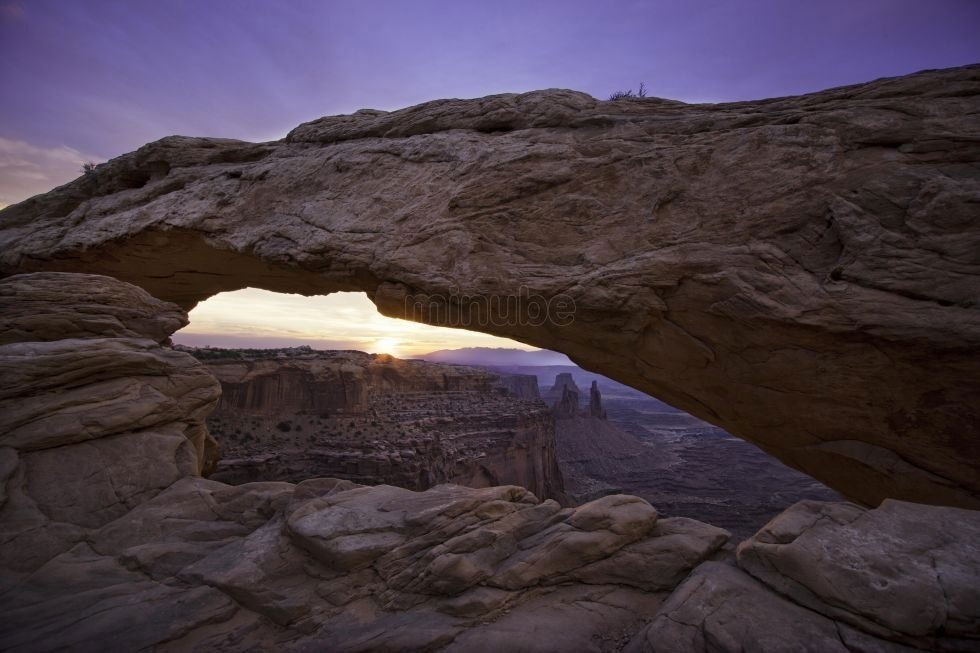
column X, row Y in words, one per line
column 104, row 77
column 85, row 80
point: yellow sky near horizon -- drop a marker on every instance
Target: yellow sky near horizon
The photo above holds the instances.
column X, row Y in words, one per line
column 344, row 320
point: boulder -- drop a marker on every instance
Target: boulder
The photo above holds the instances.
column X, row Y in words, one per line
column 660, row 562
column 832, row 577
column 904, row 571
column 721, row 609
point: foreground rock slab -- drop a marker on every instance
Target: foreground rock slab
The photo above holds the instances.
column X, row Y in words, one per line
column 720, row 608
column 903, row 571
column 111, row 540
column 328, row 565
column 834, row 577
column 96, row 416
column 800, row 271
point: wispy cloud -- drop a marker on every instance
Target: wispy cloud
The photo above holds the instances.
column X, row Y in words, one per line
column 27, row 169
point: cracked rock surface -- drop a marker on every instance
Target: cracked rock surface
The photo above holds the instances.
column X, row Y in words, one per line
column 902, row 570
column 111, row 540
column 801, row 271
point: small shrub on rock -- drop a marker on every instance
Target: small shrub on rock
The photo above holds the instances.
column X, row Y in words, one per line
column 628, row 94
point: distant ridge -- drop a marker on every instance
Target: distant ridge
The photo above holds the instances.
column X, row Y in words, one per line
column 496, row 356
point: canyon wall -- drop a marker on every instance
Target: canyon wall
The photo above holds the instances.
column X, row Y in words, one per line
column 800, row 271
column 298, row 413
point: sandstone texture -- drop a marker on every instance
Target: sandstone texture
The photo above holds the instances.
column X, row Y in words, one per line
column 902, row 571
column 92, row 423
column 111, row 540
column 296, row 413
column 800, row 271
column 833, row 577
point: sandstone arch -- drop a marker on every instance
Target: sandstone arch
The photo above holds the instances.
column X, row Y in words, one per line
column 801, row 271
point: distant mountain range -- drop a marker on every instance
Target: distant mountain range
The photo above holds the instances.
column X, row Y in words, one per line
column 496, row 356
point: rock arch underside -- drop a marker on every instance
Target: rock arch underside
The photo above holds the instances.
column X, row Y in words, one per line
column 800, row 271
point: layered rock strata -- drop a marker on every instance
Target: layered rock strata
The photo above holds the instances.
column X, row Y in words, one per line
column 374, row 419
column 800, row 271
column 97, row 415
column 112, row 541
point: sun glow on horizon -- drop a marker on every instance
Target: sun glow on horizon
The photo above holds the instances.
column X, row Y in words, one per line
column 386, row 346
column 254, row 318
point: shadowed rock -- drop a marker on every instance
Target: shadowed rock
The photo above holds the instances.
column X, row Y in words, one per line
column 595, row 402
column 903, row 571
column 110, row 540
column 567, row 406
column 834, row 577
column 564, row 382
column 800, row 271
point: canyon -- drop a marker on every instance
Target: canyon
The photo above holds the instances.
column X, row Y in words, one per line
column 290, row 415
column 297, row 413
column 622, row 441
column 799, row 271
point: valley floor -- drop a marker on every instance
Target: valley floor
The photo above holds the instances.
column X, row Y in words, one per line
column 705, row 473
column 680, row 464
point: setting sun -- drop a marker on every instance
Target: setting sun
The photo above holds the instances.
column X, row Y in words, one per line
column 342, row 320
column 386, row 346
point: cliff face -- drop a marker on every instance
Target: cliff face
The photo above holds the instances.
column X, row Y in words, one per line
column 269, row 388
column 596, row 457
column 302, row 380
column 300, row 413
column 524, row 386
